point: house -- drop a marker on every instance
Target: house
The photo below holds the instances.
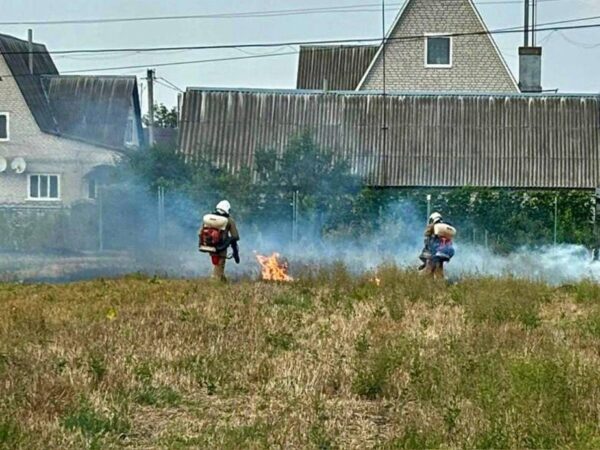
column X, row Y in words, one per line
column 451, row 116
column 433, row 45
column 57, row 132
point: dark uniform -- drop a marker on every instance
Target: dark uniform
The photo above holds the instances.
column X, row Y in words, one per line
column 220, row 259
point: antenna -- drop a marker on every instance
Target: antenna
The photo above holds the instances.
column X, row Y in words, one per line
column 18, row 165
column 384, row 125
column 383, row 40
column 533, row 21
column 526, row 28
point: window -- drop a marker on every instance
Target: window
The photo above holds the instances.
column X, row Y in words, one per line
column 129, row 132
column 4, row 131
column 92, row 192
column 438, row 51
column 44, row 187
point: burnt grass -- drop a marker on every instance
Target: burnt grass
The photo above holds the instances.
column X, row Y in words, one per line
column 333, row 360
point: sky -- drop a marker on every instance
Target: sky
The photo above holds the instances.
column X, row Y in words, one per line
column 571, row 59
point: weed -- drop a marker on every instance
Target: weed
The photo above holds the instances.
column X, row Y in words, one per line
column 280, row 341
column 94, row 424
column 10, row 433
column 157, row 396
column 97, row 367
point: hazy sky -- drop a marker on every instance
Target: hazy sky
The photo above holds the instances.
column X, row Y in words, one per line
column 571, row 60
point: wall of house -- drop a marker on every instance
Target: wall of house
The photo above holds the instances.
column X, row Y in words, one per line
column 44, row 153
column 476, row 65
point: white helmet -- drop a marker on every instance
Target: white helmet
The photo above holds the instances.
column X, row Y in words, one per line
column 434, row 218
column 223, row 206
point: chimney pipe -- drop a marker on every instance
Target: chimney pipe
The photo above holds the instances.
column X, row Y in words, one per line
column 530, row 57
column 526, row 27
column 30, row 46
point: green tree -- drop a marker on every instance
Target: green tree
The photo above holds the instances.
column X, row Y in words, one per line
column 163, row 117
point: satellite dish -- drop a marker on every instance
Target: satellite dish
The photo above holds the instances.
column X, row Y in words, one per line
column 18, row 165
column 3, row 164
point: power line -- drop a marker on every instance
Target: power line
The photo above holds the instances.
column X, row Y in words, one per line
column 367, row 7
column 541, row 27
column 169, row 84
column 180, row 63
column 374, row 40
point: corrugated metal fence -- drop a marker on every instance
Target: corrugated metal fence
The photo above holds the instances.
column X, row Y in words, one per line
column 426, row 140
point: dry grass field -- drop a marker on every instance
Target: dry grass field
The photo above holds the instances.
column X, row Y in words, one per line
column 331, row 361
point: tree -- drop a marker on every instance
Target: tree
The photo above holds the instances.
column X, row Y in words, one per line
column 323, row 182
column 163, row 117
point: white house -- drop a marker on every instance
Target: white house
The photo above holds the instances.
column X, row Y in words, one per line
column 56, row 131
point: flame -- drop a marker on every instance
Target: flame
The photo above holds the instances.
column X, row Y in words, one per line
column 273, row 268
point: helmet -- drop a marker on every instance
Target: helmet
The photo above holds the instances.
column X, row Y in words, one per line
column 223, row 206
column 434, row 218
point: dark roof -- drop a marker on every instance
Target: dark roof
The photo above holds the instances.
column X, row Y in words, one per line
column 94, row 109
column 342, row 66
column 15, row 52
column 527, row 141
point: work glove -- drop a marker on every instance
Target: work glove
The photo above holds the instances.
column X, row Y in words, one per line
column 236, row 252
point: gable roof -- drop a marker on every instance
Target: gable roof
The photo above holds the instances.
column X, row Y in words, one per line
column 485, row 34
column 92, row 109
column 341, row 65
column 15, row 52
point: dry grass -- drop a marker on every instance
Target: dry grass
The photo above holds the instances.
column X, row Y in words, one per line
column 331, row 361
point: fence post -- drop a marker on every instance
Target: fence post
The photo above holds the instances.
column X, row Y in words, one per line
column 100, row 220
column 555, row 218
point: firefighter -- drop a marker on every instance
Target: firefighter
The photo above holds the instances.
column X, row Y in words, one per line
column 217, row 233
column 439, row 248
column 428, row 240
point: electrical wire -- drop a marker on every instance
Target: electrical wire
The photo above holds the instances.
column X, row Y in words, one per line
column 541, row 28
column 367, row 7
column 266, row 45
column 169, row 84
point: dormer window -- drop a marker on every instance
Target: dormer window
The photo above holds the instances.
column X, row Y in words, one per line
column 438, row 51
column 4, row 127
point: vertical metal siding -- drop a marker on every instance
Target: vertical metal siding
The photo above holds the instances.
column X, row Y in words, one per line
column 496, row 141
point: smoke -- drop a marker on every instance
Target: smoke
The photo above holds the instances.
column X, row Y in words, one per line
column 131, row 245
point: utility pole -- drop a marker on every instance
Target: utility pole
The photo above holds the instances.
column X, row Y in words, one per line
column 30, row 49
column 150, row 79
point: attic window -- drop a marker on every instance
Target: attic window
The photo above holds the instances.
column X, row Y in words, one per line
column 4, row 132
column 438, row 51
column 129, row 132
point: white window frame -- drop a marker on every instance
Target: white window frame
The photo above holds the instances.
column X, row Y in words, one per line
column 7, row 138
column 44, row 199
column 130, row 121
column 439, row 66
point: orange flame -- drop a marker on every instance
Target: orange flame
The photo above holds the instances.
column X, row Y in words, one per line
column 273, row 268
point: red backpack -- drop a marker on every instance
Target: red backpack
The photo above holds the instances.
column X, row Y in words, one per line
column 213, row 233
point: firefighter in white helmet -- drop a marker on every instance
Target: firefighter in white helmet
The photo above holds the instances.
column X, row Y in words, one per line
column 438, row 247
column 217, row 233
column 426, row 254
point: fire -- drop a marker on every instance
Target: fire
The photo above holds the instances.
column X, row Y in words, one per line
column 273, row 268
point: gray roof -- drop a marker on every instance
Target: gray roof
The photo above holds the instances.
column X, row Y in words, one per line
column 15, row 52
column 342, row 66
column 92, row 109
column 443, row 140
